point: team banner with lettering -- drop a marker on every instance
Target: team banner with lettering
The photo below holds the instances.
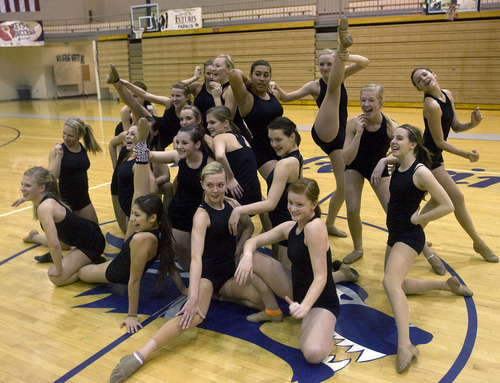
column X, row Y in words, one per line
column 21, row 33
column 175, row 19
column 8, row 6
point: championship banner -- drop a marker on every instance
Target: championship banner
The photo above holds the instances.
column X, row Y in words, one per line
column 21, row 33
column 173, row 19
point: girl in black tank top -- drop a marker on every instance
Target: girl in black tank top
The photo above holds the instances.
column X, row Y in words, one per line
column 410, row 181
column 439, row 103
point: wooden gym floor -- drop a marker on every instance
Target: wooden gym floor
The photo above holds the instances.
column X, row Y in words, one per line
column 72, row 333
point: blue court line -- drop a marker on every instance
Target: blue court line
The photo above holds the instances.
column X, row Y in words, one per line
column 15, row 138
column 17, row 255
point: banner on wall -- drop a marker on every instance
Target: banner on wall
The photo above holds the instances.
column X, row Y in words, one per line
column 174, row 19
column 21, row 33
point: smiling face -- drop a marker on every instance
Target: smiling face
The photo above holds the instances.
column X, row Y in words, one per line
column 401, row 144
column 179, row 98
column 185, row 145
column 215, row 126
column 221, row 70
column 424, row 79
column 70, row 136
column 141, row 221
column 129, row 137
column 187, row 117
column 300, row 207
column 280, row 142
column 370, row 103
column 325, row 63
column 215, row 187
column 30, row 189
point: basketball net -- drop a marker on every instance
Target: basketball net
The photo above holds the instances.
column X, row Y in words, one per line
column 451, row 11
column 138, row 33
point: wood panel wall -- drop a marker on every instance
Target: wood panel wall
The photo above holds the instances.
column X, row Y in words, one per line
column 464, row 54
column 170, row 59
column 116, row 52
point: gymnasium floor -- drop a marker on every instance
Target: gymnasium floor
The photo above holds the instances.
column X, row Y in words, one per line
column 72, row 333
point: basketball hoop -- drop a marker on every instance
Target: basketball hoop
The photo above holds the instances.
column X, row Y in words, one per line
column 138, row 33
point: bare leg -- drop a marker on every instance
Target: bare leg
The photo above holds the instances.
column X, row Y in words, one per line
column 169, row 332
column 327, row 119
column 354, row 182
column 462, row 214
column 337, row 198
column 316, row 334
column 94, row 273
column 183, row 243
column 265, row 169
column 71, row 263
column 88, row 212
column 121, row 218
column 418, row 286
column 398, row 262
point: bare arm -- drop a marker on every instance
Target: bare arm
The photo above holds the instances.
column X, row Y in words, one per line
column 353, row 133
column 165, row 101
column 311, row 88
column 113, row 144
column 55, row 159
column 358, row 63
column 46, row 217
column 242, row 96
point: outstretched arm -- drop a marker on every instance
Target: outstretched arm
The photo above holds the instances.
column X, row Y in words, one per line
column 358, row 63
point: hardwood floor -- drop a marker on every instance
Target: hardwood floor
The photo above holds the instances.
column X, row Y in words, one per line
column 72, row 333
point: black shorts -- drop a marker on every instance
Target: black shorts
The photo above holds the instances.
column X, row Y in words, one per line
column 329, row 147
column 96, row 248
column 263, row 153
column 218, row 278
column 436, row 161
column 366, row 169
column 413, row 237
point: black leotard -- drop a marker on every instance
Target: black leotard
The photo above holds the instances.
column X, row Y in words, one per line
column 372, row 147
column 81, row 233
column 262, row 114
column 73, row 180
column 124, row 153
column 118, row 271
column 404, row 201
column 187, row 196
column 337, row 142
column 280, row 213
column 446, row 120
column 244, row 167
column 125, row 191
column 303, row 275
column 168, row 126
column 220, row 247
column 204, row 101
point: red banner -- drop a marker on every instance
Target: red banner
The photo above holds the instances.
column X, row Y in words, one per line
column 8, row 6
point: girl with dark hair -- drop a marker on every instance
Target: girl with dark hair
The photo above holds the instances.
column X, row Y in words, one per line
column 439, row 118
column 212, row 269
column 258, row 108
column 69, row 163
column 235, row 154
column 148, row 238
column 410, row 181
column 308, row 287
column 192, row 155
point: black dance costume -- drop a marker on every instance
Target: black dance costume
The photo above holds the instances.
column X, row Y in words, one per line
column 244, row 167
column 124, row 153
column 81, row 233
column 125, row 191
column 204, row 101
column 404, row 201
column 262, row 114
column 446, row 120
column 118, row 271
column 73, row 180
column 372, row 147
column 280, row 213
column 187, row 197
column 337, row 142
column 303, row 275
column 220, row 247
column 168, row 126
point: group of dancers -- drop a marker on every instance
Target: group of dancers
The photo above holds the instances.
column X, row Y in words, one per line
column 234, row 131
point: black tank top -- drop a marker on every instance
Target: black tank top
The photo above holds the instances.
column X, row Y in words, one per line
column 405, row 198
column 261, row 115
column 446, row 120
column 302, row 271
column 220, row 245
column 168, row 126
column 280, row 213
column 73, row 173
column 342, row 104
